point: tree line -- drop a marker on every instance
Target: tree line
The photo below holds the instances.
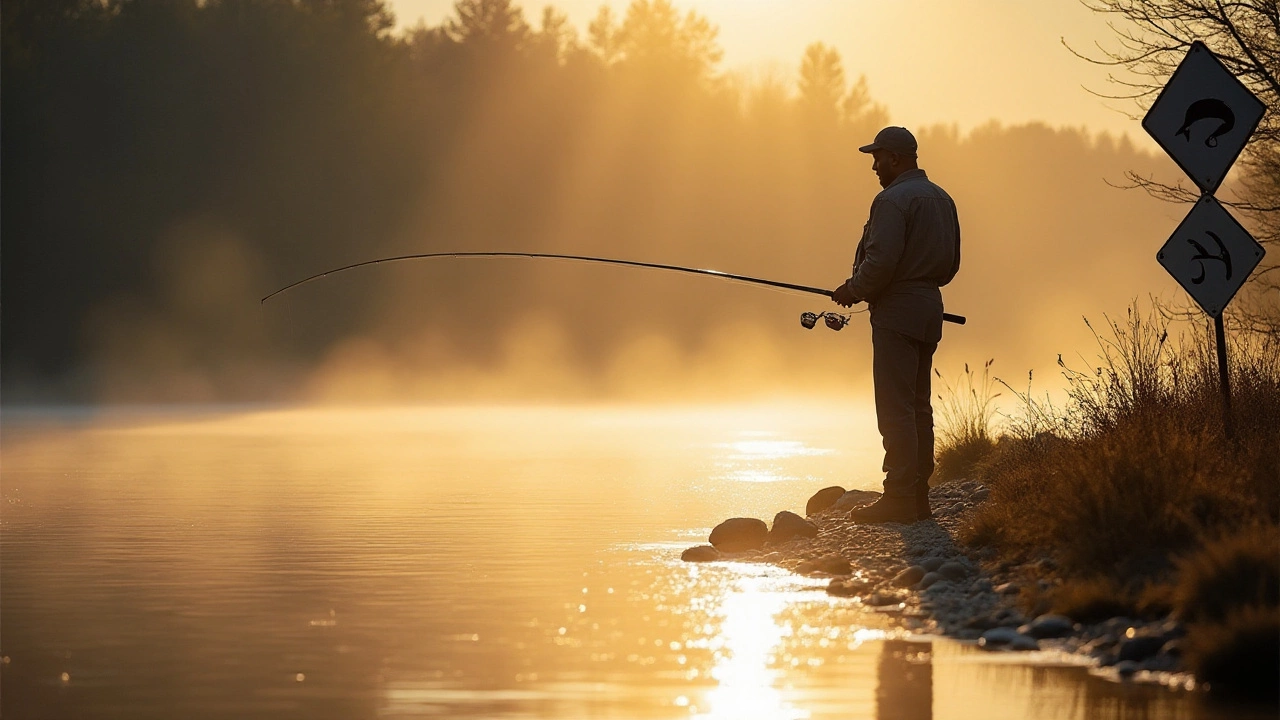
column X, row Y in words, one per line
column 168, row 162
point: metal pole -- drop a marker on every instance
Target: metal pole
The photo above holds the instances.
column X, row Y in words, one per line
column 1224, row 376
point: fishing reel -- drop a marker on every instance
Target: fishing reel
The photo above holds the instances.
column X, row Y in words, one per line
column 835, row 321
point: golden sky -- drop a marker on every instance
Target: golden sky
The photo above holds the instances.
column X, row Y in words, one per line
column 928, row 61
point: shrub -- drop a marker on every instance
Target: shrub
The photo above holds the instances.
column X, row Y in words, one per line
column 1239, row 570
column 1240, row 656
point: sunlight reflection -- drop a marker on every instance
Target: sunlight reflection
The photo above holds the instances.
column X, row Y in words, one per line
column 750, row 633
column 772, row 449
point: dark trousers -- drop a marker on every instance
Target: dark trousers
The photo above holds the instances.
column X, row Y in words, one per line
column 900, row 368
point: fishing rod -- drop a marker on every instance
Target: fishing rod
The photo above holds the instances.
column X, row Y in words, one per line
column 804, row 319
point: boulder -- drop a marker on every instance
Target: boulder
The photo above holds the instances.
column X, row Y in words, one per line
column 908, row 577
column 823, row 499
column 787, row 525
column 701, row 553
column 929, row 579
column 854, row 498
column 738, row 534
column 931, row 564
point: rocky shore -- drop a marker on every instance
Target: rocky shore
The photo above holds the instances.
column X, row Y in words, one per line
column 919, row 574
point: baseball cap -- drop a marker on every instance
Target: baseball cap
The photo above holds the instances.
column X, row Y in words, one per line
column 894, row 139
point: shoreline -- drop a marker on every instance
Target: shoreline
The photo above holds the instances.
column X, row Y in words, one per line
column 923, row 578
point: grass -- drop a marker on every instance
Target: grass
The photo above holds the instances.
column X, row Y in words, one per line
column 964, row 413
column 1133, row 489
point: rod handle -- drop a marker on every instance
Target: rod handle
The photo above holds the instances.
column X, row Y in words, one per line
column 957, row 319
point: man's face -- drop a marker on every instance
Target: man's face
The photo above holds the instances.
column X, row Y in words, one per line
column 885, row 165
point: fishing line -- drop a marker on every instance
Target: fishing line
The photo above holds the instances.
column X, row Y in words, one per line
column 580, row 258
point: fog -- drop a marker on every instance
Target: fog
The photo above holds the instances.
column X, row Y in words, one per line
column 168, row 164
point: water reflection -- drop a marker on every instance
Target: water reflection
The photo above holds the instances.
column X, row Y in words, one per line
column 750, row 636
column 486, row 563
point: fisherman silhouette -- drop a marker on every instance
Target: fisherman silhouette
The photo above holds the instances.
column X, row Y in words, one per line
column 910, row 247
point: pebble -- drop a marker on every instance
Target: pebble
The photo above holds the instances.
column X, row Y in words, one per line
column 909, row 576
column 1140, row 648
column 929, row 579
column 701, row 553
column 1048, row 626
column 1009, row 588
column 953, row 570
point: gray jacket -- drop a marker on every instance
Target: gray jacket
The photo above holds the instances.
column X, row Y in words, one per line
column 910, row 247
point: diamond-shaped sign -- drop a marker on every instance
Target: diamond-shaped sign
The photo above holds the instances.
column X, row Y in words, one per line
column 1204, row 117
column 1210, row 255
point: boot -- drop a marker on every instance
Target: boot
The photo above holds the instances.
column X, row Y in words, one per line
column 889, row 508
column 923, row 511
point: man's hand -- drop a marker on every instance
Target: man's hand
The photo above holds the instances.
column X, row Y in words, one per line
column 844, row 297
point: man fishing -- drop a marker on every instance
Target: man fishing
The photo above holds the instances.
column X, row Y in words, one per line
column 910, row 247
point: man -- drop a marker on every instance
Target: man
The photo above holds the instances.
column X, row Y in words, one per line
column 910, row 247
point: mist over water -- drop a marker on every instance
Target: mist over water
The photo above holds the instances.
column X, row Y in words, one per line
column 137, row 278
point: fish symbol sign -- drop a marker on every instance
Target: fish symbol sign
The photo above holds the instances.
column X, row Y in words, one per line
column 1210, row 255
column 1203, row 117
column 1208, row 109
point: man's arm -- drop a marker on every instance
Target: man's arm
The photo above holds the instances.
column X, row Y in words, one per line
column 883, row 246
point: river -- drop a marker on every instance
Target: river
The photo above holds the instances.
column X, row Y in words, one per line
column 461, row 562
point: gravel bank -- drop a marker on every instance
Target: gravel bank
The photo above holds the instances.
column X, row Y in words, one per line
column 921, row 575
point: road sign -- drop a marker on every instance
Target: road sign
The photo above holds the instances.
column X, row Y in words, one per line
column 1204, row 117
column 1210, row 255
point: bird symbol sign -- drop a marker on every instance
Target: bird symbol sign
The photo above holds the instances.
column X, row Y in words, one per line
column 1203, row 117
column 1210, row 255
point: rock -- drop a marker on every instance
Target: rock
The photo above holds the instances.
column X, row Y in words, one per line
column 852, row 587
column 787, row 525
column 1009, row 588
column 908, row 577
column 980, row 495
column 823, row 499
column 953, row 570
column 931, row 564
column 1048, row 626
column 929, row 579
column 881, row 599
column 853, row 498
column 1126, row 668
column 1140, row 648
column 738, row 534
column 1023, row 643
column 701, row 553
column 981, row 585
column 1173, row 648
column 997, row 637
column 833, row 564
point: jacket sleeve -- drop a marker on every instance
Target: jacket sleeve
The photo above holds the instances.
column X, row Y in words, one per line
column 882, row 249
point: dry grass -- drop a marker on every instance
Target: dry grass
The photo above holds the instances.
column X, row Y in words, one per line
column 1135, row 468
column 1144, row 504
column 964, row 414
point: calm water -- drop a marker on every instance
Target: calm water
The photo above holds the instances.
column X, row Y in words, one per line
column 459, row 563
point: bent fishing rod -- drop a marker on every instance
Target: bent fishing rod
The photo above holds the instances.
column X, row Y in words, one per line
column 835, row 321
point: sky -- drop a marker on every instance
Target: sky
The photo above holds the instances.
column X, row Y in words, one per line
column 928, row 61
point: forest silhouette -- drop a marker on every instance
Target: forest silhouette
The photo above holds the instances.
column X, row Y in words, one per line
column 170, row 162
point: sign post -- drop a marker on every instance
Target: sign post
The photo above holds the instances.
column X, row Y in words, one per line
column 1203, row 119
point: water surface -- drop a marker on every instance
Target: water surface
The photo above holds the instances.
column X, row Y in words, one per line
column 460, row 562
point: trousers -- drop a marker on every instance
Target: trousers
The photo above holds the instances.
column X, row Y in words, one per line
column 901, row 366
